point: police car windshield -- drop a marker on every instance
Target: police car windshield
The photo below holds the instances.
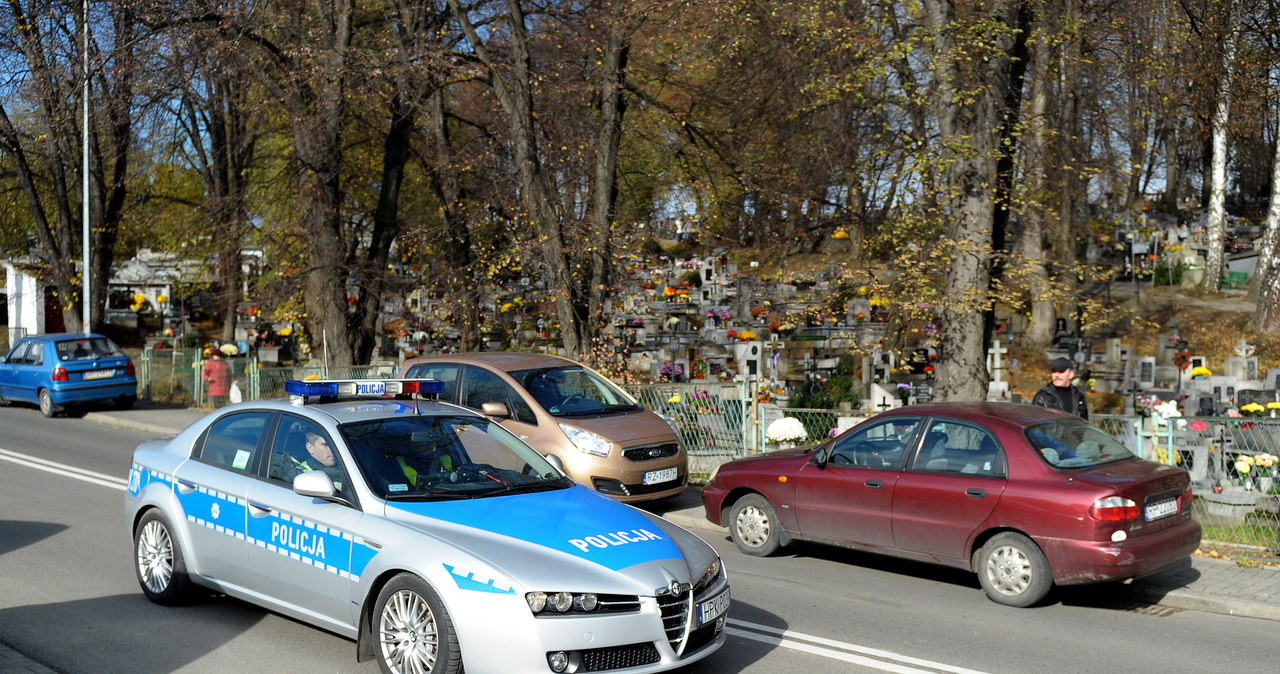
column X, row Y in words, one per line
column 424, row 457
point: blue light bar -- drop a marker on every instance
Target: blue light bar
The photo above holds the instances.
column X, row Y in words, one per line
column 429, row 386
column 368, row 388
column 294, row 387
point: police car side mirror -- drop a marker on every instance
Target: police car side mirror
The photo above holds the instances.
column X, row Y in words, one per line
column 316, row 484
column 496, row 410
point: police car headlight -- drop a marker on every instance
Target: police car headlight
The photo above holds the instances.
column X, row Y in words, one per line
column 585, row 602
column 560, row 602
column 713, row 571
column 586, row 441
column 577, row 602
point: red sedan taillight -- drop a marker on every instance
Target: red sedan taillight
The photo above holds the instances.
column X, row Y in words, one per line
column 128, row 367
column 58, row 374
column 1114, row 509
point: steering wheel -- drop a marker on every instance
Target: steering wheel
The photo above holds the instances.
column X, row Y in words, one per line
column 572, row 398
column 838, row 459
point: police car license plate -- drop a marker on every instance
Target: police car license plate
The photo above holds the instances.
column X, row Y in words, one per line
column 1161, row 509
column 660, row 476
column 713, row 608
column 98, row 374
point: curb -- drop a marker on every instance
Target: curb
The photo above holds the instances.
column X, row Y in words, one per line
column 161, row 430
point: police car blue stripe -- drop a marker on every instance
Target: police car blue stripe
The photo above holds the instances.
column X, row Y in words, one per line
column 345, row 554
column 575, row 521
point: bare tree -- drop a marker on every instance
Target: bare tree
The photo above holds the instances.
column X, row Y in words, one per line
column 47, row 38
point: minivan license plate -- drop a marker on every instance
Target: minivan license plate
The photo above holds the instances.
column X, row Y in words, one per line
column 660, row 476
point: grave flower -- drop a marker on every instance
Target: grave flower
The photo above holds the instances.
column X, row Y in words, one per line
column 1265, row 464
column 1244, row 466
column 746, row 336
column 671, row 370
column 1200, row 372
column 904, row 391
column 1252, row 409
column 786, row 429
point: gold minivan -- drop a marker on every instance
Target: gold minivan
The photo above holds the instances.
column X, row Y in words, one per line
column 602, row 437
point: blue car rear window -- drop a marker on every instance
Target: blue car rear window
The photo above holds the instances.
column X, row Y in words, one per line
column 87, row 348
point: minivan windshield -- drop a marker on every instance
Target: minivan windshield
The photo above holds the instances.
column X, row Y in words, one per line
column 1075, row 443
column 573, row 391
column 429, row 458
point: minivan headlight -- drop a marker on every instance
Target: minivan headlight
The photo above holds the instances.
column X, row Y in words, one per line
column 586, row 441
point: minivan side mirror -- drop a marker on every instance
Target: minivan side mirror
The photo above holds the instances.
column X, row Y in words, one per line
column 496, row 410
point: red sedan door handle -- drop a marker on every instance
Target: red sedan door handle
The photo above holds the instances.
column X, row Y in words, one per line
column 874, row 484
column 976, row 493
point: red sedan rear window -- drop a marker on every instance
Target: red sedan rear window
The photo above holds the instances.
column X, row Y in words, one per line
column 1075, row 443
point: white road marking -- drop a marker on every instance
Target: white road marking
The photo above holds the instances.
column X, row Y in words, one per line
column 64, row 470
column 839, row 650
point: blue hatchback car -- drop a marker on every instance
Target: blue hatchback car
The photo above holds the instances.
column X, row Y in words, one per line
column 61, row 369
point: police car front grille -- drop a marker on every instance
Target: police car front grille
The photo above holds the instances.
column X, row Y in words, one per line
column 676, row 610
column 651, row 452
column 700, row 637
column 619, row 657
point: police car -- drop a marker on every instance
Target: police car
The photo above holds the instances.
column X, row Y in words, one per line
column 426, row 532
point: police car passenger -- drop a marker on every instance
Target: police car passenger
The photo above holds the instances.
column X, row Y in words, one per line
column 319, row 457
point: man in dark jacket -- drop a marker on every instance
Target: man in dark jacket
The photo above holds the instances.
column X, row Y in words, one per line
column 1060, row 394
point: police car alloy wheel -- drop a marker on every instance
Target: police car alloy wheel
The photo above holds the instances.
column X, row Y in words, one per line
column 161, row 571
column 414, row 631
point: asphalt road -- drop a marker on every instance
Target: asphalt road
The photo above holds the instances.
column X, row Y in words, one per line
column 69, row 600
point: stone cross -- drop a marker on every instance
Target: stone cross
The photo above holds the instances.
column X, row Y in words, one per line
column 994, row 364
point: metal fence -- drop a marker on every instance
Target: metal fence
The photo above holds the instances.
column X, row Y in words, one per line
column 176, row 376
column 1234, row 480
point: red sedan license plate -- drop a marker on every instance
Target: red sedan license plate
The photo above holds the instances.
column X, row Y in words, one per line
column 713, row 608
column 1162, row 509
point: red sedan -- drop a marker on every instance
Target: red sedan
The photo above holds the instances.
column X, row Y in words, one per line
column 1023, row 496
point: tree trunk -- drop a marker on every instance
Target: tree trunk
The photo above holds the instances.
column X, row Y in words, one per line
column 1216, row 225
column 604, row 190
column 1039, row 330
column 317, row 137
column 969, row 123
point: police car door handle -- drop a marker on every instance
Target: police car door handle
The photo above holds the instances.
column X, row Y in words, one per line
column 186, row 487
column 259, row 510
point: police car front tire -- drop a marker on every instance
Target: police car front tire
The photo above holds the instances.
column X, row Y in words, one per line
column 161, row 571
column 414, row 630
